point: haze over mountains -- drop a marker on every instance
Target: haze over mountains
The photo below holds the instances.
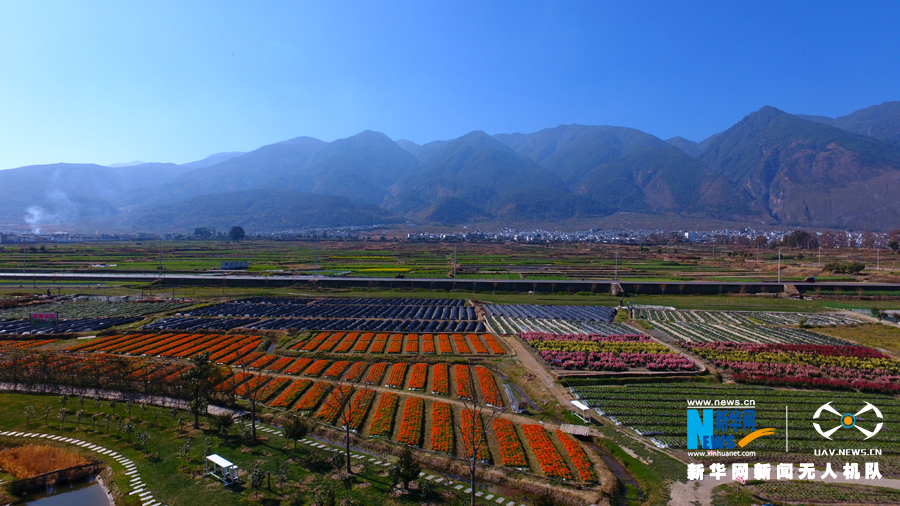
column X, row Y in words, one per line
column 769, row 168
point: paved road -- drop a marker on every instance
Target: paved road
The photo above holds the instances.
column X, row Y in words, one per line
column 648, row 286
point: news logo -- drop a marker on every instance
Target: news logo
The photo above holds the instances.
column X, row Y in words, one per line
column 722, row 429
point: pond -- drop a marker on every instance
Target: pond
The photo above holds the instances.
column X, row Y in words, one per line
column 83, row 493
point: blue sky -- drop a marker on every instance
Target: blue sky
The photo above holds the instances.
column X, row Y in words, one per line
column 109, row 82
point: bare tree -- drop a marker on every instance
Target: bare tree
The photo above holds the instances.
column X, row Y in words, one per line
column 255, row 392
column 349, row 401
column 473, row 418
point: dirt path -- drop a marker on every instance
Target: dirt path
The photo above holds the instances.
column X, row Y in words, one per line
column 538, row 368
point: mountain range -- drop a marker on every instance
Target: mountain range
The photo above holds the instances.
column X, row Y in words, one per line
column 770, row 168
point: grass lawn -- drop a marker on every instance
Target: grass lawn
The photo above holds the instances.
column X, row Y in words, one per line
column 886, row 337
column 176, row 481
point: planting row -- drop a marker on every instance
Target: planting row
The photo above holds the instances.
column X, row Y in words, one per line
column 356, row 301
column 580, row 313
column 20, row 344
column 225, row 349
column 349, row 324
column 343, row 406
column 507, row 325
column 330, row 310
column 370, row 342
column 606, row 353
column 806, row 366
column 82, row 325
column 759, row 334
column 91, row 309
column 745, row 317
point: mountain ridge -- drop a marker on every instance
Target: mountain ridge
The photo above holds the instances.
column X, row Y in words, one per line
column 770, row 167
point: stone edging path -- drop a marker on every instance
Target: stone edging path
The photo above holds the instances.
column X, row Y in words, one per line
column 137, row 485
column 457, row 487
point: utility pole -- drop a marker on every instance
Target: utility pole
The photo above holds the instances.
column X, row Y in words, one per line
column 23, row 258
column 160, row 255
column 454, row 261
column 779, row 265
column 316, row 256
column 877, row 260
column 820, row 255
column 617, row 265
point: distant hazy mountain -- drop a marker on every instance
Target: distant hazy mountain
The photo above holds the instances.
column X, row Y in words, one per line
column 126, row 164
column 879, row 121
column 361, row 167
column 211, row 160
column 260, row 211
column 569, row 151
column 805, row 173
column 477, row 175
column 690, row 148
column 770, row 167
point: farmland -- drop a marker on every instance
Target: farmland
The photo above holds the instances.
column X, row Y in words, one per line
column 388, row 258
column 425, row 372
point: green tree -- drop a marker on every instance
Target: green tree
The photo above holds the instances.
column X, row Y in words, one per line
column 237, row 233
column 407, row 468
column 224, row 422
column 296, row 430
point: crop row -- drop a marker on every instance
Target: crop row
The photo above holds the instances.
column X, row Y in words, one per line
column 91, row 309
column 327, row 311
column 547, row 312
column 760, row 334
column 66, row 326
column 606, row 352
column 362, row 342
column 507, row 325
column 745, row 317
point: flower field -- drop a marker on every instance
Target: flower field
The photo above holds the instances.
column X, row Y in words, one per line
column 336, row 400
column 411, row 422
column 418, row 377
column 356, row 371
column 376, row 372
column 9, row 345
column 441, row 427
column 397, row 376
column 359, row 408
column 488, row 387
column 606, row 352
column 336, row 369
column 287, row 398
column 440, row 379
column 473, row 435
column 551, row 461
column 511, row 452
column 316, row 368
column 312, row 397
column 806, row 366
column 463, row 382
column 579, row 458
column 383, row 419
